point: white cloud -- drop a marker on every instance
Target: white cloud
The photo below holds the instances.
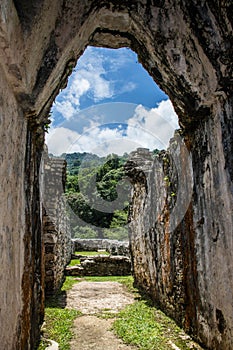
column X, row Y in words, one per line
column 166, row 110
column 65, row 108
column 130, row 86
column 94, row 140
column 101, row 142
column 151, row 129
column 91, row 78
column 60, row 139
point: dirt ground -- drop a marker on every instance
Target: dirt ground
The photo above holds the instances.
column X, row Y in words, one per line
column 92, row 299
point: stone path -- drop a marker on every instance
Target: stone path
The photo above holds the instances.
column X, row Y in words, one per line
column 92, row 298
column 96, row 300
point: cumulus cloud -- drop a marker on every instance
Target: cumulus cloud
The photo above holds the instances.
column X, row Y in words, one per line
column 59, row 140
column 91, row 78
column 96, row 140
column 148, row 128
column 66, row 108
column 153, row 128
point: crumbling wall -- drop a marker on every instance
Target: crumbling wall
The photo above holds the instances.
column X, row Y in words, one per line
column 21, row 258
column 56, row 227
column 159, row 243
column 113, row 246
column 101, row 265
column 174, row 259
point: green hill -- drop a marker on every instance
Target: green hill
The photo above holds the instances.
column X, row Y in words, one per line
column 92, row 190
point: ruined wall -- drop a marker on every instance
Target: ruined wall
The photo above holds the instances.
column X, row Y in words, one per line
column 21, row 286
column 161, row 256
column 173, row 259
column 186, row 46
column 114, row 247
column 56, row 227
column 101, row 265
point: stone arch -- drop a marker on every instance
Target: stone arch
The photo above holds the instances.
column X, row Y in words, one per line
column 177, row 64
column 186, row 48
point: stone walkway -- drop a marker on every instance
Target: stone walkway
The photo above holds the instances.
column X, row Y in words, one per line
column 99, row 302
column 92, row 299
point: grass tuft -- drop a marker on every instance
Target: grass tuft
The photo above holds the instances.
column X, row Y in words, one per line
column 150, row 329
column 87, row 253
column 74, row 262
column 69, row 282
column 58, row 320
column 58, row 324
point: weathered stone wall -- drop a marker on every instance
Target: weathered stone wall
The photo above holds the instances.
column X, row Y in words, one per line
column 114, row 247
column 101, row 266
column 186, row 46
column 21, row 273
column 56, row 227
column 174, row 261
column 12, row 208
column 160, row 251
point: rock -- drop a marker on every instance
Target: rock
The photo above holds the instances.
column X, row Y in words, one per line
column 112, row 246
column 101, row 265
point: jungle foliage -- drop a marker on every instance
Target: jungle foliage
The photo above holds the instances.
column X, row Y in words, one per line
column 93, row 185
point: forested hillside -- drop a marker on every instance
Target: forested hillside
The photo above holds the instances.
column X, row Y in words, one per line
column 99, row 207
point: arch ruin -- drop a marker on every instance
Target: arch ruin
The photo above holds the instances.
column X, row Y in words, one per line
column 186, row 46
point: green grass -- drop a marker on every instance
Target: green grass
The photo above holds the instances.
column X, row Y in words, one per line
column 43, row 344
column 58, row 324
column 69, row 282
column 86, row 253
column 139, row 324
column 74, row 262
column 148, row 328
column 58, row 320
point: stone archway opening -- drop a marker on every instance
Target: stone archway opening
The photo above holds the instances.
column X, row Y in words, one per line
column 109, row 95
column 137, row 127
column 118, row 125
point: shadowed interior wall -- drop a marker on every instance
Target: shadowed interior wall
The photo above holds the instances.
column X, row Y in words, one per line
column 186, row 46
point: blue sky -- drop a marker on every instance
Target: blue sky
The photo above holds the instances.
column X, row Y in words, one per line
column 110, row 105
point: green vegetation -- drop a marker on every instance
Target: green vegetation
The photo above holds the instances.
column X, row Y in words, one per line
column 91, row 186
column 148, row 328
column 88, row 253
column 58, row 320
column 139, row 324
column 74, row 262
column 58, row 324
column 69, row 282
column 77, row 261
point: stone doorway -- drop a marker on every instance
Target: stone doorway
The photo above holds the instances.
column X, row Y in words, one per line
column 185, row 47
